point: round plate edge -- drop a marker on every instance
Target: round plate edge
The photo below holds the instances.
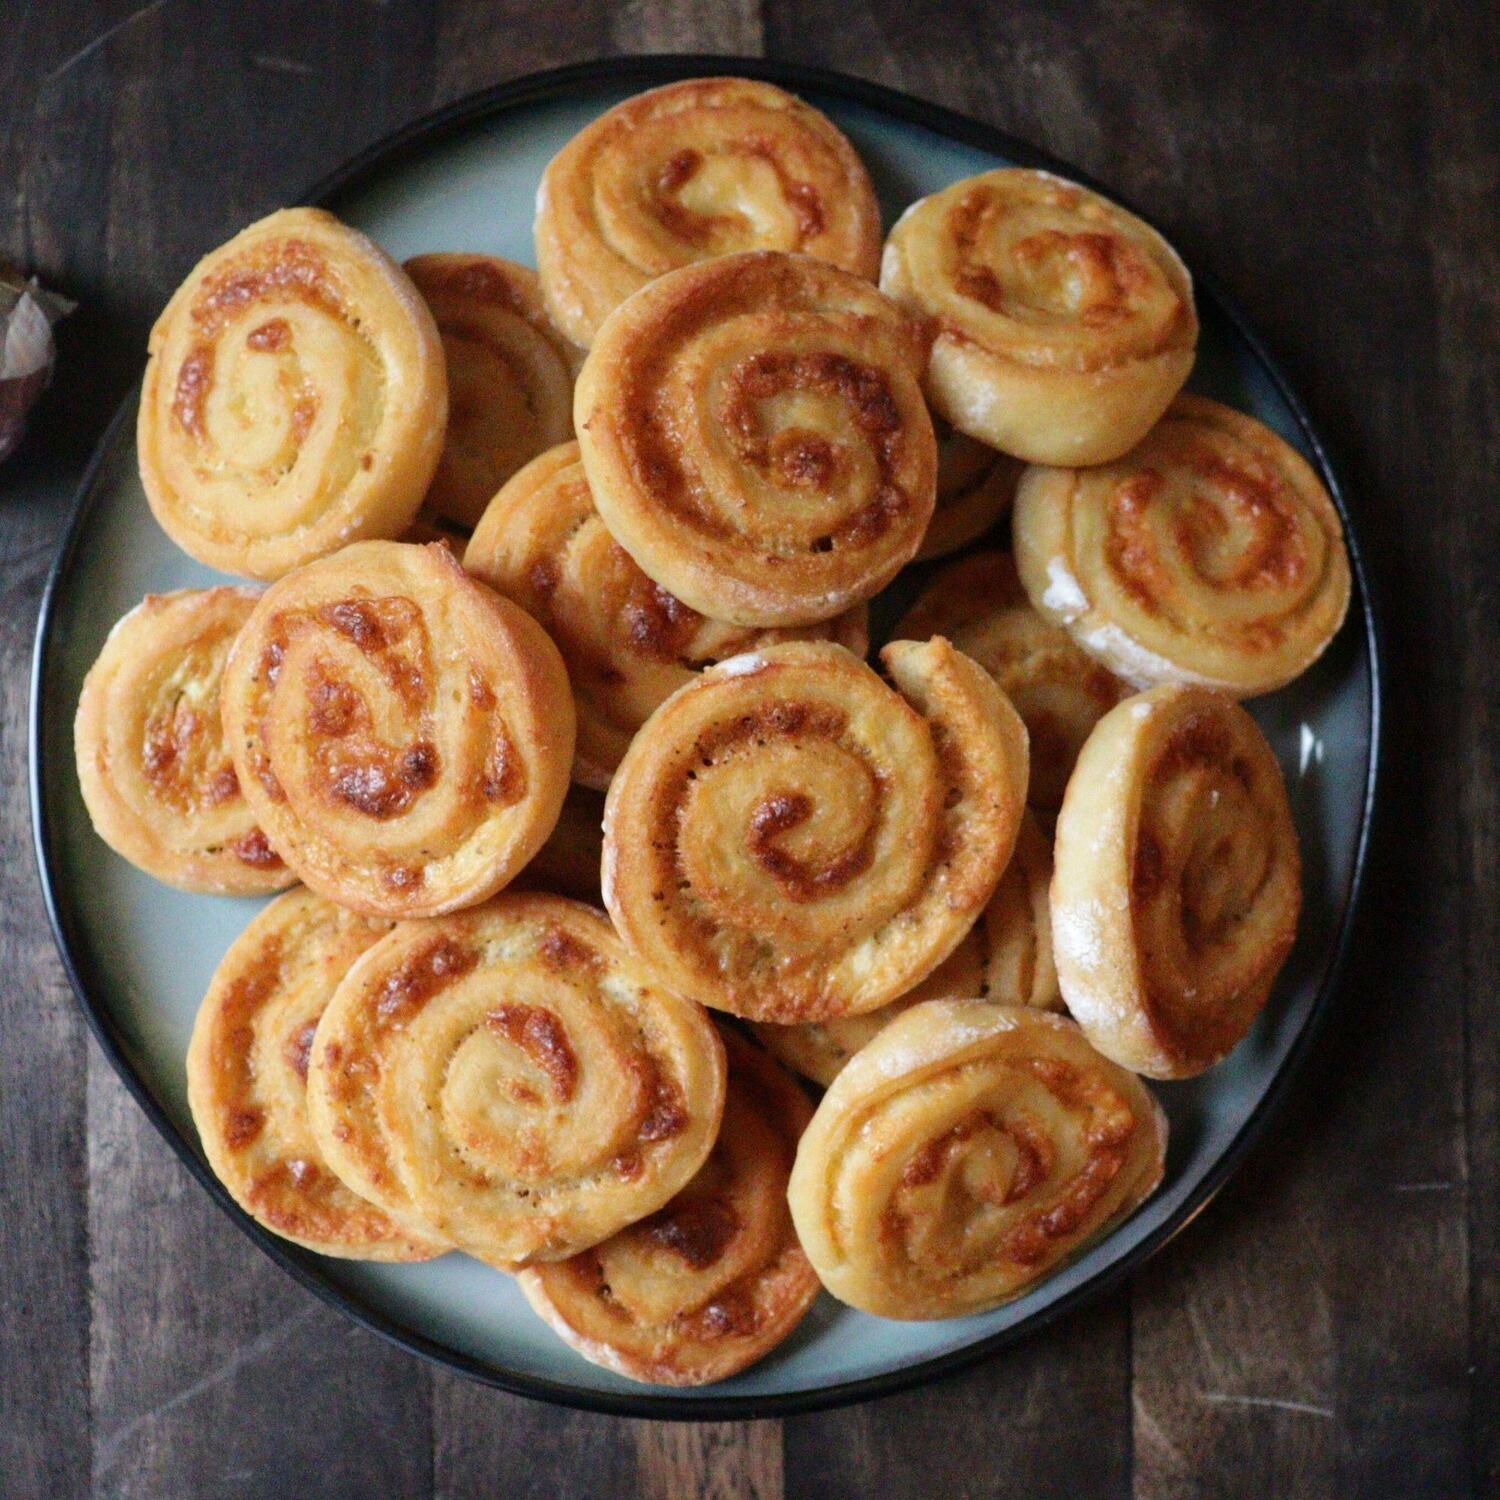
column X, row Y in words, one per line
column 652, row 69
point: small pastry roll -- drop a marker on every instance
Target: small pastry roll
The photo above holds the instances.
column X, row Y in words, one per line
column 247, row 1080
column 509, row 1077
column 294, row 398
column 1210, row 553
column 628, row 643
column 756, row 438
column 403, row 734
column 153, row 767
column 693, row 170
column 510, row 375
column 1178, row 883
column 715, row 1280
column 1006, row 958
column 568, row 863
column 789, row 839
column 1062, row 325
column 975, row 487
column 964, row 1154
column 1058, row 689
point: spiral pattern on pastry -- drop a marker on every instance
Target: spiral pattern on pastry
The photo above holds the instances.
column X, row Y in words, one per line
column 247, row 1080
column 153, row 766
column 510, row 375
column 508, row 1077
column 1058, row 689
column 294, row 398
column 628, row 643
column 756, row 438
column 1177, row 884
column 701, row 168
column 975, row 488
column 1211, row 553
column 1006, row 959
column 790, row 839
column 715, row 1280
column 964, row 1154
column 402, row 733
column 1061, row 325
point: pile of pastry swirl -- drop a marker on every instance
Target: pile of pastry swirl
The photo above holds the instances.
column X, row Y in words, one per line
column 440, row 1043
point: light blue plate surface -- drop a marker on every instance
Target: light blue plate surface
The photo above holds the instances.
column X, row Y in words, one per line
column 142, row 954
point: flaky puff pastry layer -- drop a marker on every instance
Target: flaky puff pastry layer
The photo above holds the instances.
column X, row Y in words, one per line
column 1210, row 553
column 153, row 766
column 756, row 437
column 1177, row 884
column 247, row 1080
column 403, row 734
column 715, row 1280
column 1058, row 689
column 1006, row 958
column 294, row 399
column 976, row 486
column 791, row 839
column 964, row 1154
column 510, row 375
column 628, row 643
column 1061, row 325
column 701, row 168
column 509, row 1077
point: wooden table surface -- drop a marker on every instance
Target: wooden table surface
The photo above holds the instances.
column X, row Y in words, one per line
column 1331, row 1324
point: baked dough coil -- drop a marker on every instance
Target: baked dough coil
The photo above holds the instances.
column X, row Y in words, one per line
column 402, row 733
column 755, row 436
column 247, row 1080
column 713, row 1281
column 700, row 168
column 508, row 1078
column 153, row 766
column 1006, row 958
column 294, row 399
column 1177, row 884
column 510, row 376
column 1058, row 689
column 966, row 1153
column 1210, row 553
column 628, row 643
column 1061, row 325
column 790, row 839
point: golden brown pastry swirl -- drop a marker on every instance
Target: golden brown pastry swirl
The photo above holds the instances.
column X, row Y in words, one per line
column 756, row 438
column 402, row 732
column 153, row 765
column 713, row 1281
column 294, row 400
column 510, row 375
column 247, row 1080
column 790, row 839
column 1178, row 884
column 700, row 168
column 508, row 1077
column 628, row 643
column 1006, row 959
column 1062, row 325
column 1210, row 553
column 964, row 1154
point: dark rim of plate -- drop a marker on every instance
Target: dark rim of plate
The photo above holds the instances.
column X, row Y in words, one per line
column 302, row 1265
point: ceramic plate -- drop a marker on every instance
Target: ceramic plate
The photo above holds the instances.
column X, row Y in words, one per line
column 140, row 955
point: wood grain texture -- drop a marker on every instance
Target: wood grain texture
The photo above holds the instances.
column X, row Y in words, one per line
column 1331, row 1326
